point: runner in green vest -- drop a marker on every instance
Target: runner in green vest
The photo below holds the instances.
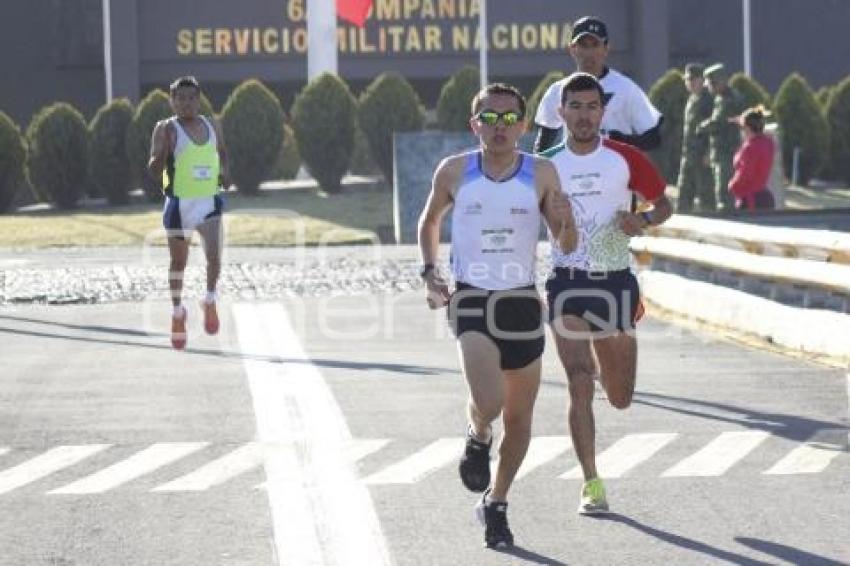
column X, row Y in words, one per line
column 189, row 156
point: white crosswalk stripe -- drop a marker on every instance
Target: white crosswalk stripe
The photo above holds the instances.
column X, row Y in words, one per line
column 45, row 464
column 137, row 465
column 543, row 449
column 239, row 461
column 814, row 455
column 718, row 455
column 625, row 454
column 621, row 458
column 421, row 464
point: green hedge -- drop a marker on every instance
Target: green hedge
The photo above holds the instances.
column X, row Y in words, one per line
column 109, row 166
column 13, row 154
column 288, row 158
column 838, row 117
column 153, row 108
column 57, row 164
column 388, row 105
column 803, row 125
column 453, row 105
column 323, row 120
column 670, row 95
column 751, row 91
column 252, row 119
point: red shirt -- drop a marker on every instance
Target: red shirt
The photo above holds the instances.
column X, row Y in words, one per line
column 753, row 162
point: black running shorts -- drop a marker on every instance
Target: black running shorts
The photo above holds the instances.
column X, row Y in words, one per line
column 512, row 319
column 608, row 300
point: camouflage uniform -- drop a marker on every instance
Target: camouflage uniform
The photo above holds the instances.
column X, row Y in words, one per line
column 724, row 136
column 695, row 179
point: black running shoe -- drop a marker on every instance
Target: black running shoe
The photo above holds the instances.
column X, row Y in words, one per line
column 494, row 517
column 474, row 465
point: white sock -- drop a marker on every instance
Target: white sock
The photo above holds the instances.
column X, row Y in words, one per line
column 210, row 298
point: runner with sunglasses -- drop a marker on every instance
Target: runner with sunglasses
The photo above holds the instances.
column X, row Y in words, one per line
column 498, row 196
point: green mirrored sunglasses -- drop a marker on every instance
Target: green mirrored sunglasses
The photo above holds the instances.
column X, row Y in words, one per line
column 491, row 117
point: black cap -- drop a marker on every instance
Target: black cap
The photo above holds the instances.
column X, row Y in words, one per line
column 589, row 25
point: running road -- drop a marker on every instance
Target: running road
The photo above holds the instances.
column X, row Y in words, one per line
column 327, row 431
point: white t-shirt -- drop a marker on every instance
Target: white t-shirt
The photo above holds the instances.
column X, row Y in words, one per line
column 599, row 184
column 495, row 226
column 628, row 109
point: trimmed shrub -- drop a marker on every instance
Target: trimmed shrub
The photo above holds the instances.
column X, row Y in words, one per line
column 252, row 119
column 802, row 125
column 323, row 117
column 823, row 95
column 13, row 154
column 453, row 105
column 153, row 108
column 389, row 104
column 534, row 100
column 750, row 90
column 57, row 164
column 670, row 95
column 288, row 159
column 838, row 117
column 109, row 166
column 362, row 162
column 206, row 107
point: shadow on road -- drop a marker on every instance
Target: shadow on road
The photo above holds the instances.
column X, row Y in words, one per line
column 683, row 542
column 792, row 555
column 529, row 556
column 405, row 369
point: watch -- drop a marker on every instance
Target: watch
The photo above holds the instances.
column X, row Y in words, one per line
column 425, row 270
column 646, row 218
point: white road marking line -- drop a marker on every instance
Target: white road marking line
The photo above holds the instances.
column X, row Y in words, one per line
column 245, row 458
column 45, row 464
column 321, row 513
column 356, row 450
column 719, row 455
column 542, row 450
column 420, row 464
column 151, row 458
column 813, row 456
column 625, row 454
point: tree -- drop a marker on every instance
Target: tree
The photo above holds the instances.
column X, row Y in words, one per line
column 57, row 164
column 453, row 105
column 838, row 117
column 109, row 166
column 252, row 119
column 13, row 154
column 388, row 105
column 323, row 116
column 669, row 95
column 751, row 91
column 803, row 126
column 153, row 108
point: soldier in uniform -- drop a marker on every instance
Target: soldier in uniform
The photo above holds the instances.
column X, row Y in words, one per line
column 695, row 180
column 723, row 135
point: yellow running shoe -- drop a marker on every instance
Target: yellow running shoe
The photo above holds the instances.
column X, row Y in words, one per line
column 593, row 500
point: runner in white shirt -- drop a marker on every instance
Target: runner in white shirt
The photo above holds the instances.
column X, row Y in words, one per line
column 498, row 196
column 629, row 115
column 593, row 296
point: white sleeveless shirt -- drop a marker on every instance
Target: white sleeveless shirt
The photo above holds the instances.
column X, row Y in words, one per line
column 495, row 227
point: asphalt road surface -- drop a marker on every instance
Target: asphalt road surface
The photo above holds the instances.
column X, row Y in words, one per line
column 327, row 431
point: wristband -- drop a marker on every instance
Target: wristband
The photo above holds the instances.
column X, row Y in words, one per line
column 646, row 218
column 425, row 270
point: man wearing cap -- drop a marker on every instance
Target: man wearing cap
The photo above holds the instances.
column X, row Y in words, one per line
column 694, row 173
column 629, row 115
column 723, row 135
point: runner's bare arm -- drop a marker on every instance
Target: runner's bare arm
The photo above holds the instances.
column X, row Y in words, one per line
column 440, row 199
column 158, row 156
column 224, row 178
column 555, row 206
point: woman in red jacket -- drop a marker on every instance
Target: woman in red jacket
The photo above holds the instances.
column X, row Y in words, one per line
column 752, row 163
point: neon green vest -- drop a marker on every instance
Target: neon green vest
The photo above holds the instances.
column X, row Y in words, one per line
column 192, row 170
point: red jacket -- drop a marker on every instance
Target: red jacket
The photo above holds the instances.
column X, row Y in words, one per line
column 753, row 162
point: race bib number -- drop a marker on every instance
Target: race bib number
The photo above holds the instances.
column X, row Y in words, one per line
column 498, row 240
column 202, row 172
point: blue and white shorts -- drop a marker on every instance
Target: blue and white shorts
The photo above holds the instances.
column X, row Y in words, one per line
column 181, row 216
